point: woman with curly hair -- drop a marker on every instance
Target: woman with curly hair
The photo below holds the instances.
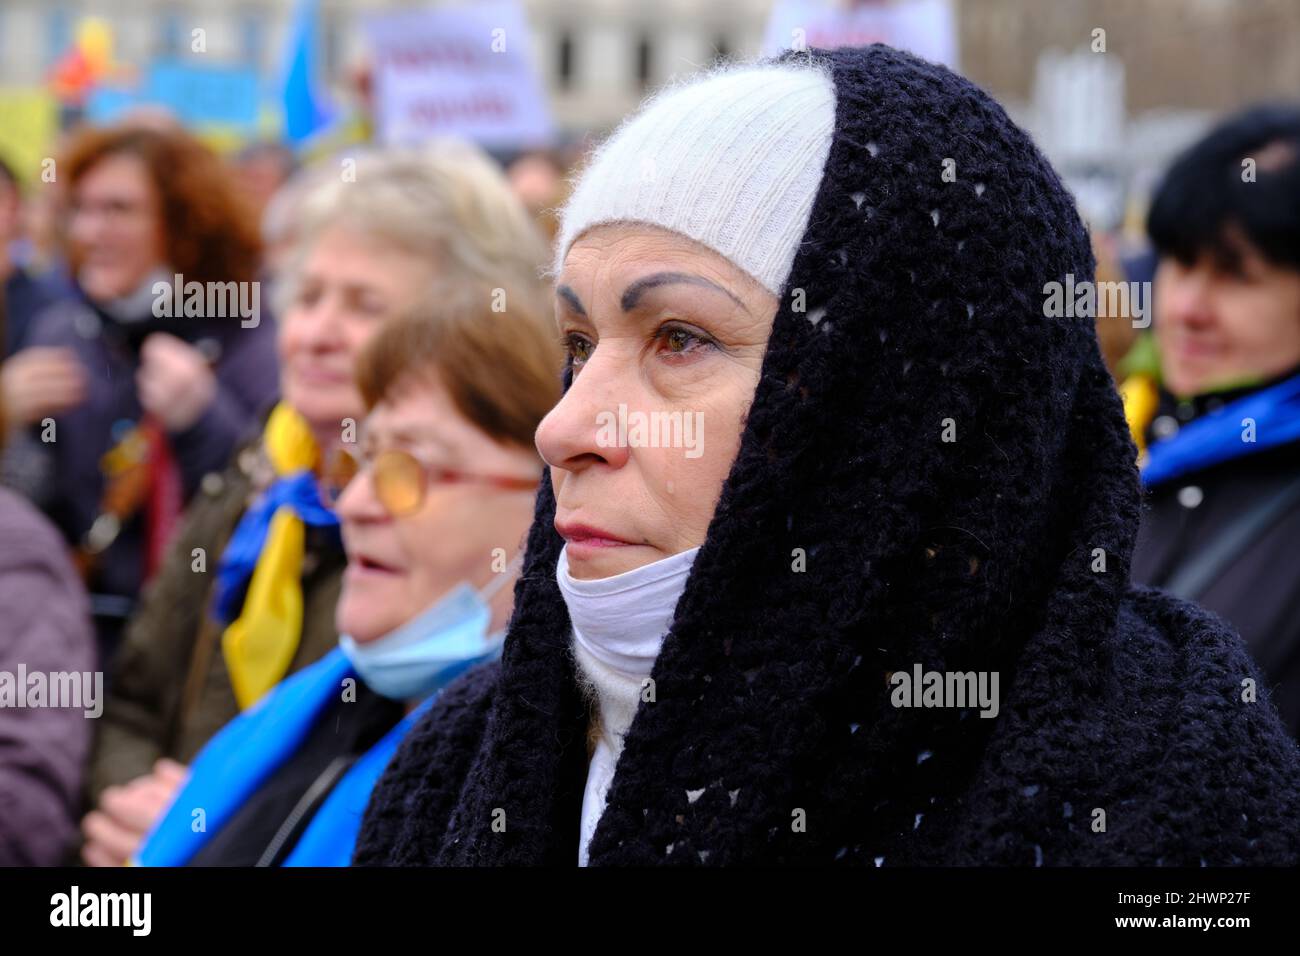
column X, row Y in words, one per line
column 129, row 400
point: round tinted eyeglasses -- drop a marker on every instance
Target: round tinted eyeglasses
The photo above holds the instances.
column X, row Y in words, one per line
column 401, row 481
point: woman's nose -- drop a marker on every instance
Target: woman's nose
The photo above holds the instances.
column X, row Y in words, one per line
column 1191, row 302
column 85, row 228
column 358, row 502
column 582, row 429
column 323, row 324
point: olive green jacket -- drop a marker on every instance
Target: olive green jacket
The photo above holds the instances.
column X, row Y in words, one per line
column 170, row 691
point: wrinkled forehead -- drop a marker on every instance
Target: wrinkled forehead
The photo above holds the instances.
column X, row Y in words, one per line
column 631, row 261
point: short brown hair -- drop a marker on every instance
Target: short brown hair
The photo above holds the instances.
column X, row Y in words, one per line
column 210, row 231
column 494, row 350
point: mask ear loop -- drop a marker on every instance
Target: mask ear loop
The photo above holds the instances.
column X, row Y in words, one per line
column 498, row 581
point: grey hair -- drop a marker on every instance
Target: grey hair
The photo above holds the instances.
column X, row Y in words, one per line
column 447, row 202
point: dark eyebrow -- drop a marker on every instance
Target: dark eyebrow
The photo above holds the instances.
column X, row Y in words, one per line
column 632, row 294
column 571, row 297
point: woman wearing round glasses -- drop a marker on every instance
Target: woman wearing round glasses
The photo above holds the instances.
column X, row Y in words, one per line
column 434, row 500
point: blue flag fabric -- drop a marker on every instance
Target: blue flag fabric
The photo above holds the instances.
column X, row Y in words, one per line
column 305, row 110
column 238, row 561
column 249, row 749
column 1259, row 421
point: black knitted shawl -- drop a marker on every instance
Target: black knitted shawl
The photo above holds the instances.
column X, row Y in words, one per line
column 1125, row 732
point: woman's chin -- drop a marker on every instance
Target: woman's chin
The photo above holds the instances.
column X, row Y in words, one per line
column 103, row 287
column 321, row 406
column 588, row 562
column 364, row 615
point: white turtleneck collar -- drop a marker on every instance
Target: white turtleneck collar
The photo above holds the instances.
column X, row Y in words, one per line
column 619, row 624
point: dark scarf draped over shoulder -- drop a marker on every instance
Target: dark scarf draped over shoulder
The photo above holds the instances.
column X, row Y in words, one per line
column 933, row 473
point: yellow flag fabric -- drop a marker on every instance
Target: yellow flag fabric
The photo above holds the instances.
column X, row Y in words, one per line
column 260, row 644
column 289, row 442
column 29, row 124
column 1140, row 398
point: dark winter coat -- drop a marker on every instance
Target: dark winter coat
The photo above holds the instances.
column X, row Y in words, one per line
column 1257, row 592
column 248, row 381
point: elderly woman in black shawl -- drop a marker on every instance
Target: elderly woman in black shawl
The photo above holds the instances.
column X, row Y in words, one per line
column 832, row 566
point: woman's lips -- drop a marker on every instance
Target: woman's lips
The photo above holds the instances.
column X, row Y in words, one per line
column 584, row 536
column 315, row 375
column 1192, row 349
column 362, row 566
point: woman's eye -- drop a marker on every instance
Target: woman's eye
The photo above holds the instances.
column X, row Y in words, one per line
column 372, row 306
column 577, row 348
column 679, row 341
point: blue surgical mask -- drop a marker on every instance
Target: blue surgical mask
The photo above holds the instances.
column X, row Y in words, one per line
column 432, row 648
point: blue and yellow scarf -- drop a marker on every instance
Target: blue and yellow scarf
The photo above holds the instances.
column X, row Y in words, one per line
column 1249, row 425
column 252, row 747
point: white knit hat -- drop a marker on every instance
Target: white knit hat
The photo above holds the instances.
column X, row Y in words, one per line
column 731, row 160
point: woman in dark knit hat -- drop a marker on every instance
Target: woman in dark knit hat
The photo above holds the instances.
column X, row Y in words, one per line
column 871, row 605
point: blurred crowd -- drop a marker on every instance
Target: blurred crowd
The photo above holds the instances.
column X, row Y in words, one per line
column 203, row 353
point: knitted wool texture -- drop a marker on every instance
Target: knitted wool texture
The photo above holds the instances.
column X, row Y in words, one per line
column 923, row 305
column 733, row 162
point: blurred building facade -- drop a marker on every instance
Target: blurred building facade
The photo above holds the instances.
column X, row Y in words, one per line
column 1111, row 121
column 600, row 56
column 1198, row 54
column 1169, row 66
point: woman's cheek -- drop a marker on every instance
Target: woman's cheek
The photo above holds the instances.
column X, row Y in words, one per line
column 662, row 469
column 426, row 542
column 359, row 332
column 687, row 490
column 289, row 341
column 724, row 420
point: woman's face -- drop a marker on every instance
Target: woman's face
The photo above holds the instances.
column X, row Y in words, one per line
column 346, row 287
column 666, row 339
column 116, row 229
column 397, row 567
column 1217, row 326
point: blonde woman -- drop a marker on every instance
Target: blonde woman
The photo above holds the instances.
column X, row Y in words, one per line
column 371, row 240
